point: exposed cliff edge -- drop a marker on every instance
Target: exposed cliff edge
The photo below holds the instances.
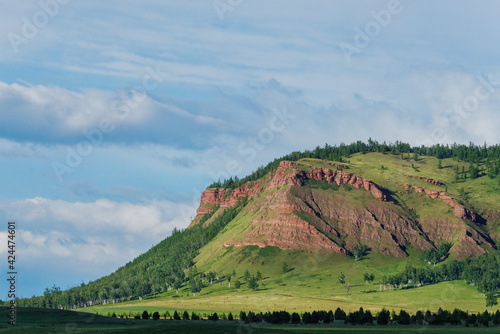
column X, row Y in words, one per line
column 458, row 209
column 283, row 210
column 286, row 173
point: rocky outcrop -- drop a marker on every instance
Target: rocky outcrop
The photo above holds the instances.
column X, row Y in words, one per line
column 209, row 198
column 224, row 198
column 468, row 247
column 303, row 218
column 334, row 164
column 434, row 182
column 288, row 231
column 288, row 173
column 248, row 190
column 281, row 212
column 472, row 241
column 458, row 209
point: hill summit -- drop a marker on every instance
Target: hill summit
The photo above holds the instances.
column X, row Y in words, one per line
column 329, row 206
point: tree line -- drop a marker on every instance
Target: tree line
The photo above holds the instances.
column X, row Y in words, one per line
column 472, row 154
column 359, row 317
column 482, row 272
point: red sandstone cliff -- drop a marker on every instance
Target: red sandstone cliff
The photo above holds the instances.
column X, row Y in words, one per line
column 299, row 217
column 288, row 173
column 213, row 198
column 458, row 209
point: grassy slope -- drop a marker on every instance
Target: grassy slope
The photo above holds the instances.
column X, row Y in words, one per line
column 312, row 283
column 483, row 193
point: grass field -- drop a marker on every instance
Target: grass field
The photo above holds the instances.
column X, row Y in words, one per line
column 42, row 321
column 310, row 284
column 447, row 295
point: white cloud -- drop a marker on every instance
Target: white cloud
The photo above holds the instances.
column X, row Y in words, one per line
column 58, row 111
column 77, row 251
column 100, row 232
column 12, row 149
column 149, row 220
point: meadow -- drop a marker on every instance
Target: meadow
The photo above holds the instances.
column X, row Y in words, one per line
column 45, row 321
column 311, row 283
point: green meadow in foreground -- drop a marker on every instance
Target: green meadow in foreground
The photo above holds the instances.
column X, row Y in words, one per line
column 310, row 284
column 45, row 321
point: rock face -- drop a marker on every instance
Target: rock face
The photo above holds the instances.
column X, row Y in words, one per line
column 282, row 212
column 209, row 198
column 213, row 198
column 434, row 182
column 298, row 217
column 288, row 173
column 288, row 232
column 458, row 210
column 472, row 241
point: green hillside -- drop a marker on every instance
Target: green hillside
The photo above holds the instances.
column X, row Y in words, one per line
column 420, row 253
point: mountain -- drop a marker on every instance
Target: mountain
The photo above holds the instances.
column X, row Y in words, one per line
column 399, row 207
column 325, row 206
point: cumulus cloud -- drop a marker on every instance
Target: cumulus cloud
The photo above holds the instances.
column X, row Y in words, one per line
column 101, row 216
column 91, row 239
column 96, row 232
column 49, row 113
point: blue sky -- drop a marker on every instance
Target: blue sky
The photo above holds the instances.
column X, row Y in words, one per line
column 115, row 115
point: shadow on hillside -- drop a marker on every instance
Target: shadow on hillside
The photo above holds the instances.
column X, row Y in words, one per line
column 391, row 196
